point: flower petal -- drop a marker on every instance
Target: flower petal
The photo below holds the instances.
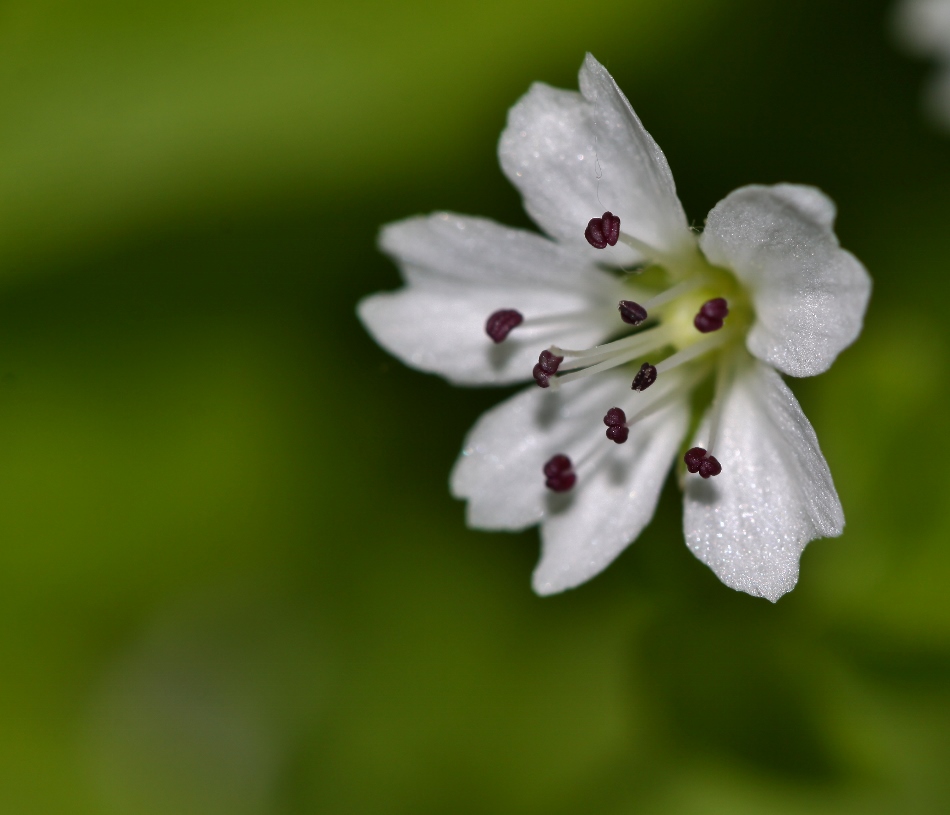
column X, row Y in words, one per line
column 573, row 156
column 612, row 504
column 809, row 294
column 810, row 200
column 480, row 252
column 459, row 271
column 500, row 470
column 441, row 329
column 750, row 523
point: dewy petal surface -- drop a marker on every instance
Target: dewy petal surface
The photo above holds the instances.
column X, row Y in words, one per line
column 458, row 271
column 499, row 472
column 750, row 523
column 479, row 251
column 610, row 506
column 810, row 295
column 558, row 142
column 809, row 200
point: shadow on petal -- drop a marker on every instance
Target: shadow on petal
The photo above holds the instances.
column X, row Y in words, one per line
column 618, row 470
column 549, row 410
column 557, row 503
column 500, row 354
column 704, row 491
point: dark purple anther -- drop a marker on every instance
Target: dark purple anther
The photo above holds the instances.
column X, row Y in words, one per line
column 547, row 366
column 645, row 377
column 616, row 421
column 499, row 325
column 699, row 461
column 711, row 315
column 559, row 474
column 615, row 417
column 693, row 458
column 717, row 308
column 549, row 363
column 618, row 434
column 603, row 231
column 631, row 312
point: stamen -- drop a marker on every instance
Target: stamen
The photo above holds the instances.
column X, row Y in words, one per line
column 603, row 231
column 723, row 377
column 559, row 474
column 632, row 313
column 674, row 386
column 619, row 352
column 616, row 421
column 695, row 350
column 699, row 461
column 659, row 334
column 640, row 343
column 649, row 252
column 501, row 323
column 711, row 315
column 547, row 366
column 645, row 377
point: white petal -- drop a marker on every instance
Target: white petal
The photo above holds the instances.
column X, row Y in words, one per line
column 500, row 469
column 810, row 200
column 612, row 504
column 573, row 156
column 750, row 523
column 459, row 271
column 441, row 329
column 480, row 252
column 809, row 294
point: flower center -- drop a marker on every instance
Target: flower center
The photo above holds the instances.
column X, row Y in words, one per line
column 693, row 313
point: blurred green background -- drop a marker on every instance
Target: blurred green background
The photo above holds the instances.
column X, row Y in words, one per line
column 232, row 579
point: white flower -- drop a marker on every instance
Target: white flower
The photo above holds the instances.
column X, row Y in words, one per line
column 924, row 26
column 768, row 257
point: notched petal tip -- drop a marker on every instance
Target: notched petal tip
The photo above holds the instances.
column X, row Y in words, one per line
column 809, row 200
column 774, row 495
column 613, row 502
column 567, row 151
column 810, row 295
